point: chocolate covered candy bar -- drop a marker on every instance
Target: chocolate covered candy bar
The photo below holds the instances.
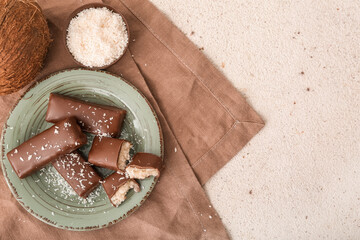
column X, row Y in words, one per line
column 77, row 172
column 62, row 138
column 109, row 153
column 93, row 118
column 144, row 165
column 117, row 185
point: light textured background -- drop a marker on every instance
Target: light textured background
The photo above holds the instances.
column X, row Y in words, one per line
column 298, row 64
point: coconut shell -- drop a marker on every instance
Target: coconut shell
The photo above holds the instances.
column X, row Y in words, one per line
column 24, row 40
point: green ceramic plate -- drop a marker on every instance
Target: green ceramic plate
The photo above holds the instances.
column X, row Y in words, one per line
column 45, row 194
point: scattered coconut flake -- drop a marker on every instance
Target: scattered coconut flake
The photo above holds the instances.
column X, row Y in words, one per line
column 55, row 181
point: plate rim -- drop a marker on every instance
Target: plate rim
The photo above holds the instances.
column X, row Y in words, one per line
column 43, row 218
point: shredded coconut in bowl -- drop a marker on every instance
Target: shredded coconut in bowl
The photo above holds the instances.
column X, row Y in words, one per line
column 97, row 37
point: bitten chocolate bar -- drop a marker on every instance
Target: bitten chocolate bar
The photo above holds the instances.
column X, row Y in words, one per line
column 77, row 172
column 93, row 118
column 144, row 165
column 117, row 185
column 109, row 153
column 62, row 138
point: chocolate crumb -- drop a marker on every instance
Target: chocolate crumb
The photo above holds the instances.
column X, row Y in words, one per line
column 308, row 89
column 192, row 33
column 298, row 32
column 294, row 102
column 302, row 73
column 250, row 192
column 201, row 49
column 306, row 217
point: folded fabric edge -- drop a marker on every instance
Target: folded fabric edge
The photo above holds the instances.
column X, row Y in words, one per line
column 212, row 228
column 225, row 93
column 193, row 59
column 222, row 152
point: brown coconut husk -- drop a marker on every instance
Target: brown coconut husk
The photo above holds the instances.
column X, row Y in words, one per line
column 24, row 40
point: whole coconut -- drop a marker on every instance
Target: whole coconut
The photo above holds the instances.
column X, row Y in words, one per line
column 24, row 40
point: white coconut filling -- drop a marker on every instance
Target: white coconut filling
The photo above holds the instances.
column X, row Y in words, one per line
column 124, row 155
column 141, row 173
column 120, row 194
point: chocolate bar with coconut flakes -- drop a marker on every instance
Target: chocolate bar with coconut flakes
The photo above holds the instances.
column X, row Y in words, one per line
column 77, row 172
column 62, row 138
column 144, row 165
column 117, row 185
column 110, row 153
column 93, row 118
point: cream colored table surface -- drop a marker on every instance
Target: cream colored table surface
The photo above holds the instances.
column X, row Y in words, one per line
column 298, row 64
